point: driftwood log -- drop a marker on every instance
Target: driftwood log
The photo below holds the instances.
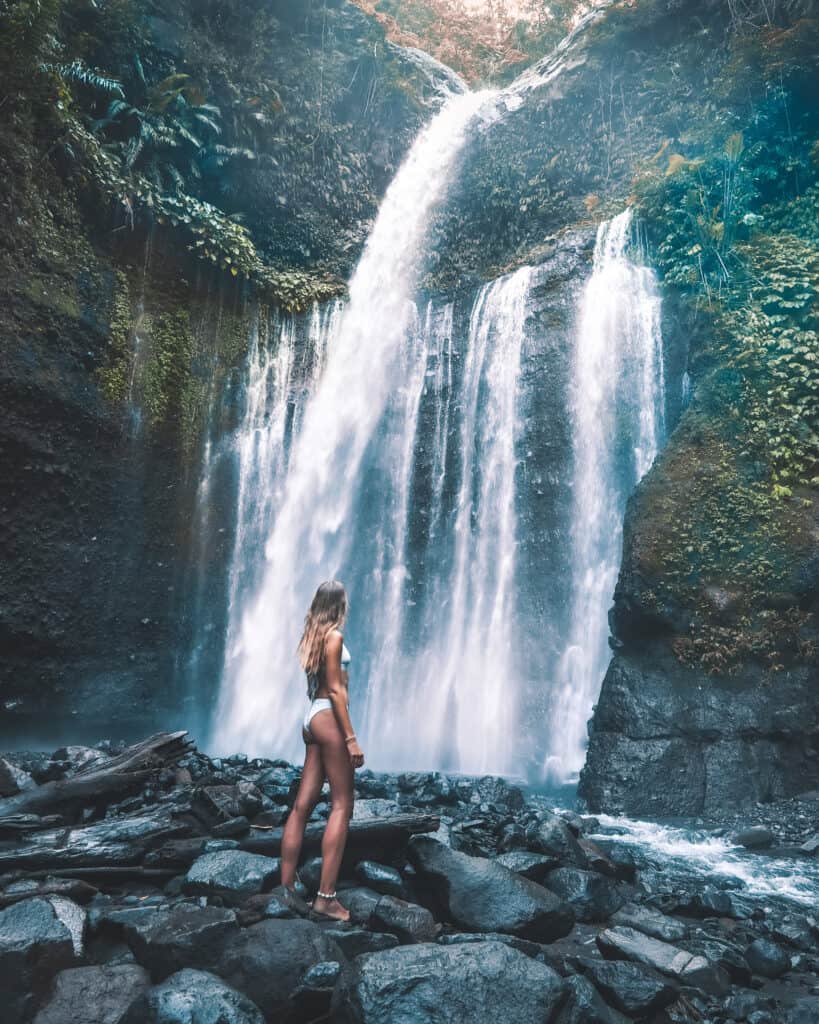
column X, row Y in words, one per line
column 97, row 784
column 372, row 833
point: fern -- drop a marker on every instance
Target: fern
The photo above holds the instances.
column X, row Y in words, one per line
column 77, row 71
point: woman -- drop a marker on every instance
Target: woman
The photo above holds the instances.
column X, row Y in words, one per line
column 331, row 751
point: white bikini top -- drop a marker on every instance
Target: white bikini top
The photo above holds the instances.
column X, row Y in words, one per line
column 313, row 679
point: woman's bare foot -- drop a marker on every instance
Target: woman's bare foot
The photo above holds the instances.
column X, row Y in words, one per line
column 330, row 908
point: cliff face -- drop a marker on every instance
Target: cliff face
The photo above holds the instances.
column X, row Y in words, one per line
column 688, row 113
column 123, row 319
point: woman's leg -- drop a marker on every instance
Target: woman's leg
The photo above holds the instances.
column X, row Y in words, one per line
column 312, row 779
column 336, row 761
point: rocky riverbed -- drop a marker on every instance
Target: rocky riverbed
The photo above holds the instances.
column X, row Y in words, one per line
column 141, row 884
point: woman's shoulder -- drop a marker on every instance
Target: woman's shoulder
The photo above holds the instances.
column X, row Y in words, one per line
column 334, row 640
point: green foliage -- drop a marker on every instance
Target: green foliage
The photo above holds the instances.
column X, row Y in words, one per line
column 77, row 72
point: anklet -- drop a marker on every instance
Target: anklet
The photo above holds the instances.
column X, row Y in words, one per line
column 326, row 895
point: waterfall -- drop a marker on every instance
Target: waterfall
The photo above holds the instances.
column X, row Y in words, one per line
column 312, row 535
column 455, row 680
column 617, row 421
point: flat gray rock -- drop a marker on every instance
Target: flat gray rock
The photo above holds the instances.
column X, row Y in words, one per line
column 94, row 995
column 482, row 983
column 194, row 997
column 591, row 896
column 34, row 945
column 628, row 944
column 232, row 873
column 650, row 922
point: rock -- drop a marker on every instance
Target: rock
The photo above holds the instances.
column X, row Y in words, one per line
column 93, row 995
column 712, row 902
column 596, row 859
column 531, row 865
column 354, row 941
column 551, row 835
column 630, row 988
column 232, row 873
column 360, row 901
column 193, row 997
column 313, row 996
column 263, row 905
column 12, row 778
column 409, row 922
column 483, row 983
column 584, row 1004
column 650, row 922
column 725, row 956
column 268, row 960
column 811, row 845
column 533, row 949
column 483, row 895
column 767, row 958
column 794, row 929
column 310, row 873
column 381, row 878
column 375, row 808
column 803, row 1011
column 492, row 789
column 755, row 838
column 593, row 897
column 74, row 918
column 621, row 856
column 167, row 939
column 34, row 945
column 279, row 784
column 627, row 944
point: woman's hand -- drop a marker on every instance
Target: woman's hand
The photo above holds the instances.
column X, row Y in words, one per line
column 355, row 752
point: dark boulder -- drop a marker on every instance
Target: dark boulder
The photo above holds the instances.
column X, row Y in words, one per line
column 193, row 997
column 94, row 995
column 483, row 895
column 593, row 897
column 767, row 958
column 268, row 960
column 360, row 901
column 551, row 835
column 34, row 945
column 584, row 1004
column 535, row 866
column 408, row 921
column 168, row 939
column 382, row 878
column 234, row 874
column 312, row 998
column 621, row 856
column 354, row 941
column 755, row 838
column 630, row 988
column 483, row 983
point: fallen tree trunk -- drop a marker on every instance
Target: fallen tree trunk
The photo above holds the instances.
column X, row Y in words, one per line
column 113, row 841
column 375, row 833
column 100, row 784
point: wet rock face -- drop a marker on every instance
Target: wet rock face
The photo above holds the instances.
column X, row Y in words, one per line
column 190, row 997
column 727, row 742
column 95, row 995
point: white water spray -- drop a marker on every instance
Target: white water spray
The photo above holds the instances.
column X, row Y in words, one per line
column 308, row 541
column 617, row 415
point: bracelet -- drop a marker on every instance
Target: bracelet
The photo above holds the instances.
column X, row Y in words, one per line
column 350, row 737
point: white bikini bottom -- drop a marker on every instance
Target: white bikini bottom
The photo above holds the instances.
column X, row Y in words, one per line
column 319, row 704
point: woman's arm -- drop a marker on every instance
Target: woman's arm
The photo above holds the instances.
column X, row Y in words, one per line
column 337, row 692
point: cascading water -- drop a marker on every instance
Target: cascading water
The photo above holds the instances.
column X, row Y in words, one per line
column 617, row 415
column 391, row 457
column 311, row 534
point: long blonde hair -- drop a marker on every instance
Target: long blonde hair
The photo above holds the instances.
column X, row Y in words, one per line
column 328, row 611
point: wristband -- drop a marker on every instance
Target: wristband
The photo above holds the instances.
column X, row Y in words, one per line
column 348, row 738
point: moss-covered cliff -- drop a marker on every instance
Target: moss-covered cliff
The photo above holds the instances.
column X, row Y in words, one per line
column 166, row 168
